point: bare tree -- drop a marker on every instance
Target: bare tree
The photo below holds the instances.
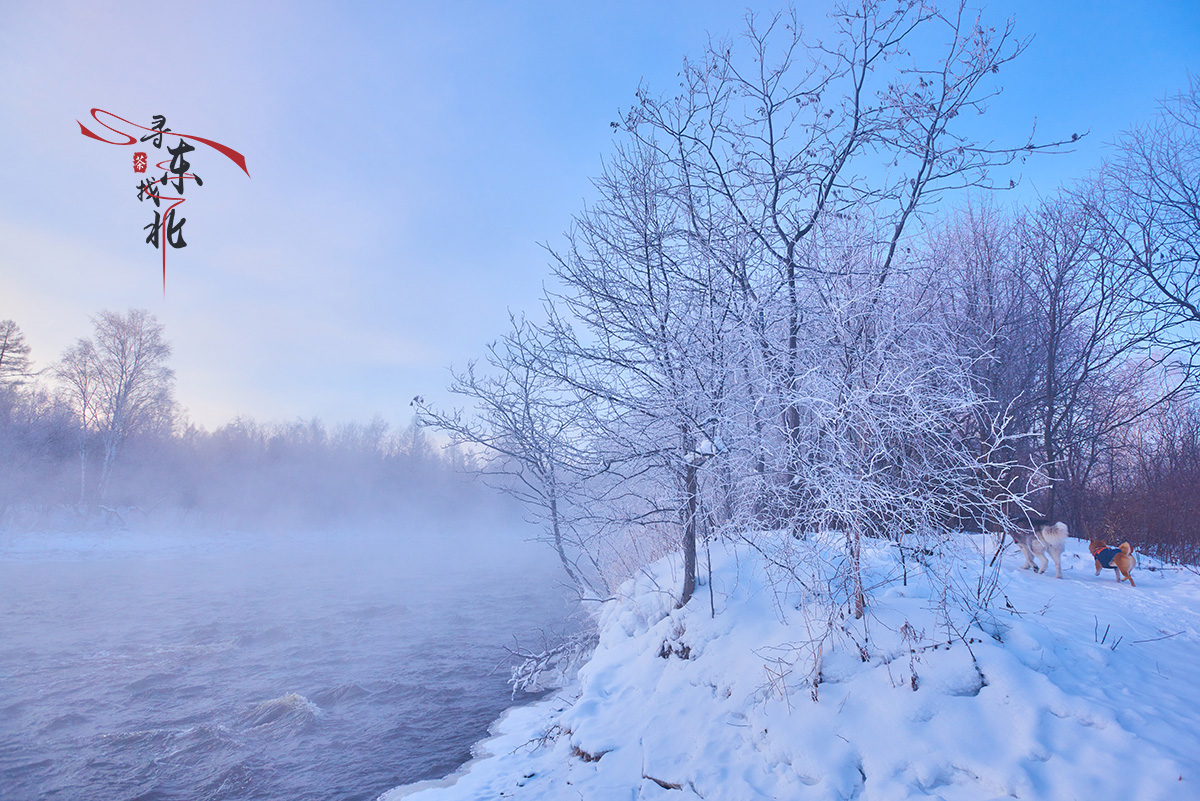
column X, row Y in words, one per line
column 989, row 314
column 1149, row 201
column 529, row 427
column 1037, row 304
column 78, row 374
column 1157, row 499
column 1091, row 346
column 654, row 350
column 14, row 355
column 117, row 382
column 803, row 131
column 745, row 269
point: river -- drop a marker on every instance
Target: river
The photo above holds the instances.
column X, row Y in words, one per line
column 332, row 666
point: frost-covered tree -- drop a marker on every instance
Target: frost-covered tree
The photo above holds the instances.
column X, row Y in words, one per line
column 14, row 355
column 527, row 428
column 643, row 334
column 748, row 260
column 867, row 122
column 746, row 275
column 117, row 382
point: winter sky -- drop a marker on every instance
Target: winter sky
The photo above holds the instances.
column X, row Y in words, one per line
column 406, row 160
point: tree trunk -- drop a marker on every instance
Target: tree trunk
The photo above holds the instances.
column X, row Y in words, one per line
column 860, row 599
column 82, row 471
column 110, row 457
column 558, row 544
column 689, row 533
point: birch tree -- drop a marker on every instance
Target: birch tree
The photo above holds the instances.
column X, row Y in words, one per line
column 117, row 382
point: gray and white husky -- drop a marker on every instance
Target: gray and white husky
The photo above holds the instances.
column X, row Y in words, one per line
column 1044, row 539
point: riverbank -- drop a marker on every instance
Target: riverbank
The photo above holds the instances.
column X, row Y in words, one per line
column 1074, row 688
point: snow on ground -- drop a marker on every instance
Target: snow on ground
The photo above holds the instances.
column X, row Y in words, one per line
column 1080, row 688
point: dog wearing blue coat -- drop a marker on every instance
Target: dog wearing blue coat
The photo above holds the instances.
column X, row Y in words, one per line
column 1119, row 560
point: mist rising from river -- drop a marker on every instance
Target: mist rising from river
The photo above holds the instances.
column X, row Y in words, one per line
column 328, row 665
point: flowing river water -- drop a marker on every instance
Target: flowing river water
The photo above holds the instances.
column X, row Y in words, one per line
column 308, row 667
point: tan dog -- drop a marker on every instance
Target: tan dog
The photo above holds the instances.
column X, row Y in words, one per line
column 1119, row 560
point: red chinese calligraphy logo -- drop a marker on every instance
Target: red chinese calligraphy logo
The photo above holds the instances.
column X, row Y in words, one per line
column 165, row 229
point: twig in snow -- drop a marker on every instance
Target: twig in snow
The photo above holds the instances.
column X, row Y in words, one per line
column 663, row 784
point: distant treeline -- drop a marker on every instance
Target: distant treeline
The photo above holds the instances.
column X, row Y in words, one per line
column 97, row 438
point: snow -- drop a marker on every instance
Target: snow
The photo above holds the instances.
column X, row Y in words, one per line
column 1079, row 688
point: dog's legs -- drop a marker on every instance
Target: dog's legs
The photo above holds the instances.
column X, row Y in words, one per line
column 1098, row 567
column 1057, row 564
column 1129, row 576
column 1045, row 563
column 1028, row 558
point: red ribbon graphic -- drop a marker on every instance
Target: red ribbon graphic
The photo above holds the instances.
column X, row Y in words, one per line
column 234, row 156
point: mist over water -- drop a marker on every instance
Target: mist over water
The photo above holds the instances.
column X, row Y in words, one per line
column 327, row 665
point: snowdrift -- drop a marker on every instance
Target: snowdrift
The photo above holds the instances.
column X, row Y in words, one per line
column 1080, row 688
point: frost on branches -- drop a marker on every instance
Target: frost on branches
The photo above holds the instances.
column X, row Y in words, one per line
column 752, row 274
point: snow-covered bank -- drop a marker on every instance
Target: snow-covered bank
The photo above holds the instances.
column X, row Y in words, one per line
column 1079, row 689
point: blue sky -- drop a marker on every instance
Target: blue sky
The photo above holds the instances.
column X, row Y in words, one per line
column 406, row 160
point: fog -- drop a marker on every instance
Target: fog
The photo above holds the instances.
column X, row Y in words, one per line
column 245, row 475
column 262, row 611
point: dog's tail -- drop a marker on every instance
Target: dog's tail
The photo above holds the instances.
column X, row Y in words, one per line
column 1126, row 548
column 1059, row 529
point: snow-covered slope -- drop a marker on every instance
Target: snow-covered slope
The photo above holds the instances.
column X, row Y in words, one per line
column 1080, row 688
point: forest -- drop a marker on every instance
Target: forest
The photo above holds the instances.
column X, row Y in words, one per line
column 97, row 438
column 803, row 303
